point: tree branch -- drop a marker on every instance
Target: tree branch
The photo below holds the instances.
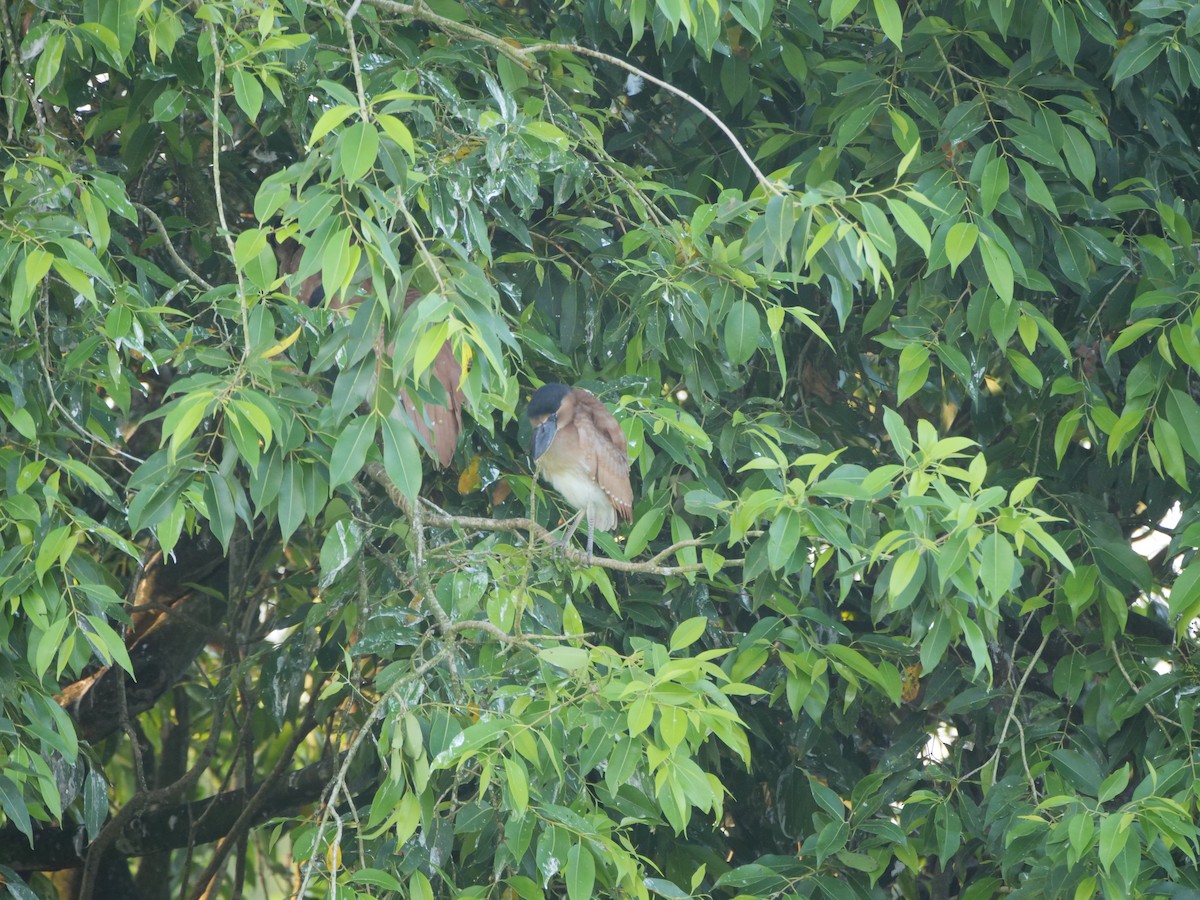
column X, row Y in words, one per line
column 477, row 523
column 764, row 182
column 252, row 804
column 162, row 828
column 522, row 56
column 171, row 251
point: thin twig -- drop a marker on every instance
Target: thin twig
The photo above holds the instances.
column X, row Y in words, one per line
column 348, row 23
column 338, row 783
column 428, row 595
column 14, row 60
column 1012, row 709
column 425, row 14
column 171, row 251
column 243, row 822
column 1162, row 720
column 523, row 55
column 419, row 240
column 113, row 828
column 52, row 393
column 521, row 524
column 1033, row 791
column 218, row 71
column 527, row 641
column 765, row 183
column 942, row 53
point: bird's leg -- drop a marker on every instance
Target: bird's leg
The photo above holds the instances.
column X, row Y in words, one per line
column 590, row 535
column 570, row 528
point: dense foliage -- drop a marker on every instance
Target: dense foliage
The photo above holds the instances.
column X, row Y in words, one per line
column 896, row 301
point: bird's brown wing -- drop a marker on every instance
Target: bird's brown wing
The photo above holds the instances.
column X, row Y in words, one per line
column 602, row 445
column 289, row 253
column 446, row 421
column 438, row 426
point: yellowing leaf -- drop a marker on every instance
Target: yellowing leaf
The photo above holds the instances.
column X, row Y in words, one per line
column 469, row 480
column 276, row 349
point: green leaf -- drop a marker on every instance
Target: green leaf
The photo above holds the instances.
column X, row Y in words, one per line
column 996, row 565
column 1025, row 368
column 1114, row 783
column 993, row 185
column 936, row 642
column 376, row 878
column 668, row 889
column 569, row 658
column 904, row 569
column 20, row 419
column 783, row 537
column 1184, row 601
column 399, row 133
column 960, row 241
column 779, row 220
column 184, row 418
column 914, row 370
column 248, row 92
column 549, row 133
column 121, row 18
column 51, row 548
column 997, row 266
column 1131, row 333
column 517, row 782
column 743, row 326
column 1035, row 187
column 1170, row 451
column 218, row 498
column 1137, row 53
column 111, row 190
column 910, row 223
column 249, row 245
column 330, row 120
column 350, row 450
column 976, row 643
column 838, row 10
column 111, row 646
column 401, row 458
column 688, row 632
column 890, row 20
column 169, row 105
column 1081, row 158
column 948, row 830
column 1184, row 416
column 49, row 62
column 644, row 530
column 359, row 148
column 1114, row 835
column 37, row 263
column 339, row 260
column 15, row 807
column 95, row 803
column 419, row 887
column 898, row 432
column 291, row 499
column 88, row 476
column 580, row 873
column 1079, row 769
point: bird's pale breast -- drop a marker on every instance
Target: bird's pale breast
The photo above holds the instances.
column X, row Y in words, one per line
column 575, row 483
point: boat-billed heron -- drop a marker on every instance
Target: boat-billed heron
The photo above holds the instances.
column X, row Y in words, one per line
column 580, row 449
column 438, row 426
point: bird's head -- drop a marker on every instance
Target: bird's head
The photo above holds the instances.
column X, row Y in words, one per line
column 543, row 414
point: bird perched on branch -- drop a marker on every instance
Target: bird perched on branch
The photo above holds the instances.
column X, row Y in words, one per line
column 580, row 449
column 438, row 426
